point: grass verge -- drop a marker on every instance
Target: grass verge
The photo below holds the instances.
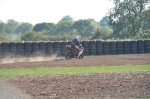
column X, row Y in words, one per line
column 74, row 70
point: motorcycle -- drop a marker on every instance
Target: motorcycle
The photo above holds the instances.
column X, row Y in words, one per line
column 72, row 53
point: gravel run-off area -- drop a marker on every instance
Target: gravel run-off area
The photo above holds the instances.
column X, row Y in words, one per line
column 80, row 86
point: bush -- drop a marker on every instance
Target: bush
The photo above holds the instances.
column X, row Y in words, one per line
column 3, row 38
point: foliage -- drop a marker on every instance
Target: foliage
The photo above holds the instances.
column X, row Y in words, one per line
column 13, row 25
column 64, row 27
column 83, row 28
column 4, row 38
column 143, row 34
column 64, row 30
column 40, row 27
column 105, row 22
column 24, row 27
column 46, row 28
column 128, row 17
column 102, row 33
column 39, row 36
column 34, row 36
column 2, row 27
column 86, row 27
column 67, row 18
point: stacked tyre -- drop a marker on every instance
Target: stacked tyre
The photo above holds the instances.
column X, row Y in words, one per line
column 147, row 46
column 106, row 48
column 99, row 47
column 35, row 49
column 20, row 49
column 133, row 47
column 12, row 49
column 27, row 49
column 126, row 47
column 57, row 48
column 85, row 44
column 92, row 47
column 112, row 47
column 69, row 42
column 42, row 48
column 49, row 48
column 63, row 47
column 5, row 49
column 0, row 51
column 140, row 46
column 119, row 47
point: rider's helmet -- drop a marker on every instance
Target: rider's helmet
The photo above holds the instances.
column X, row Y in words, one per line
column 77, row 37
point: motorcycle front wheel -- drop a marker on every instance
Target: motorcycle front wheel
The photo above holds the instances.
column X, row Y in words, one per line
column 81, row 56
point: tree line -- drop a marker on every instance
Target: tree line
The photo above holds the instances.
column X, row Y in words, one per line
column 128, row 19
column 64, row 30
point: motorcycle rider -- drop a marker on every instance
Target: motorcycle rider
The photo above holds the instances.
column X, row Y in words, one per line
column 75, row 43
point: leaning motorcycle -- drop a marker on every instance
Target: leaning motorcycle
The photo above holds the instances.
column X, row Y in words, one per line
column 71, row 53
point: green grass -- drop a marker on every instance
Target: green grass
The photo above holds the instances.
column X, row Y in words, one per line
column 74, row 70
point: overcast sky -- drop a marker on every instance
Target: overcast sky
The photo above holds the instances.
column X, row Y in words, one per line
column 38, row 11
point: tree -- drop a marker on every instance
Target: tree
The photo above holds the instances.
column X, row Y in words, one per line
column 127, row 17
column 13, row 25
column 2, row 27
column 146, row 20
column 46, row 28
column 67, row 18
column 50, row 29
column 103, row 32
column 41, row 26
column 24, row 27
column 86, row 27
column 105, row 22
column 63, row 27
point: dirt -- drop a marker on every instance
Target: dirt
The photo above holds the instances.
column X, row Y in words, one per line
column 107, row 60
column 94, row 86
column 83, row 86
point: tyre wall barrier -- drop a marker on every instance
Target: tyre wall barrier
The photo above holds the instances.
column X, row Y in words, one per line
column 49, row 48
column 5, row 50
column 35, row 49
column 0, row 51
column 85, row 44
column 20, row 49
column 106, row 48
column 147, row 46
column 92, row 47
column 63, row 47
column 12, row 49
column 119, row 47
column 113, row 49
column 133, row 47
column 99, row 47
column 140, row 46
column 57, row 48
column 28, row 49
column 126, row 47
column 42, row 48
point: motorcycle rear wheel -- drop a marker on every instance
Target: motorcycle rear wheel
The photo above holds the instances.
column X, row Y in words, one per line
column 67, row 55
